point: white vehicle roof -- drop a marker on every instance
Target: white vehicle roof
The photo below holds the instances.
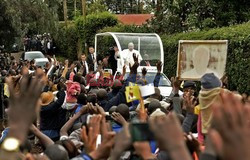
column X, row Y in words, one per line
column 29, row 52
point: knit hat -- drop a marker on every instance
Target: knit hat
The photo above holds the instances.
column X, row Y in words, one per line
column 188, row 84
column 210, row 81
column 46, row 98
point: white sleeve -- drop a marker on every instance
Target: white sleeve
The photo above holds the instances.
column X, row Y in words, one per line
column 139, row 56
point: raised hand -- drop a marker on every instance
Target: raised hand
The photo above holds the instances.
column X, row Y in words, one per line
column 169, row 135
column 93, row 131
column 135, row 58
column 122, row 143
column 119, row 118
column 23, row 106
column 175, row 84
column 159, row 66
column 143, row 150
column 230, row 132
column 103, row 151
column 124, row 70
column 189, row 102
column 144, row 71
column 192, row 143
column 133, row 69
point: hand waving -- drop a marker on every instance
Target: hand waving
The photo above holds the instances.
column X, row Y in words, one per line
column 133, row 69
column 135, row 58
column 159, row 66
column 144, row 72
column 169, row 135
column 24, row 105
column 231, row 132
column 90, row 138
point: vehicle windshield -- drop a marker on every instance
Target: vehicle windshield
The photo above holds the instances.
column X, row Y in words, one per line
column 148, row 46
column 33, row 55
column 164, row 81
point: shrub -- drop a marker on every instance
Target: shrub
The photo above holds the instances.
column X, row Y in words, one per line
column 127, row 29
column 87, row 28
column 66, row 41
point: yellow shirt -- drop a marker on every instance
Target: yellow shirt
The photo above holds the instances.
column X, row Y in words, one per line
column 197, row 110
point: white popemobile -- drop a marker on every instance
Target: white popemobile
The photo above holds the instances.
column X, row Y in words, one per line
column 147, row 46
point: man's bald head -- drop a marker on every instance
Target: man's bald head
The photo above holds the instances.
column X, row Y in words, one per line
column 102, row 94
column 131, row 46
column 153, row 105
column 157, row 94
column 123, row 109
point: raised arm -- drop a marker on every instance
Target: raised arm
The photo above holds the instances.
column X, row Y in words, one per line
column 64, row 130
column 158, row 75
column 66, row 67
column 45, row 140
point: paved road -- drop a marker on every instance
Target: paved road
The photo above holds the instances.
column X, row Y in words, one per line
column 17, row 55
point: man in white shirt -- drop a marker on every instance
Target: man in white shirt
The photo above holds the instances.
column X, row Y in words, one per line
column 127, row 55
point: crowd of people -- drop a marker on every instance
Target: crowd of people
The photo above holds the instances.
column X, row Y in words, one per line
column 79, row 113
column 43, row 43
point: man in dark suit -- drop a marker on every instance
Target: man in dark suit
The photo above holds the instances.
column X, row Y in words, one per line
column 91, row 59
column 84, row 64
column 112, row 60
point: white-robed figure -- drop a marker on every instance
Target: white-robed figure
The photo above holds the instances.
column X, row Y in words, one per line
column 127, row 55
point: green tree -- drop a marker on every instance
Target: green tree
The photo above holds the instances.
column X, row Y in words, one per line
column 173, row 16
column 27, row 17
column 94, row 22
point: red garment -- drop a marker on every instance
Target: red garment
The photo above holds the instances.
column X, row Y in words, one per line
column 200, row 135
column 73, row 89
column 89, row 77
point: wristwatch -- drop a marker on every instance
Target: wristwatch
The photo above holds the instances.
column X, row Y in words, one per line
column 10, row 144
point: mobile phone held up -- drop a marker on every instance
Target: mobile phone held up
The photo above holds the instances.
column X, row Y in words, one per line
column 141, row 132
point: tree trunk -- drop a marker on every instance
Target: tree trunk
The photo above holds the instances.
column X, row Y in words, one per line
column 131, row 6
column 65, row 12
column 139, row 7
column 122, row 7
column 75, row 7
column 79, row 48
column 84, row 8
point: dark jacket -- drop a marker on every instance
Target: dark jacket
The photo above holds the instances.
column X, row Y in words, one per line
column 112, row 94
column 84, row 68
column 103, row 104
column 120, row 97
column 53, row 116
column 90, row 60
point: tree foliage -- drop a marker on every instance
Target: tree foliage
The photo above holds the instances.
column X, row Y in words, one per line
column 87, row 28
column 22, row 17
column 173, row 16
